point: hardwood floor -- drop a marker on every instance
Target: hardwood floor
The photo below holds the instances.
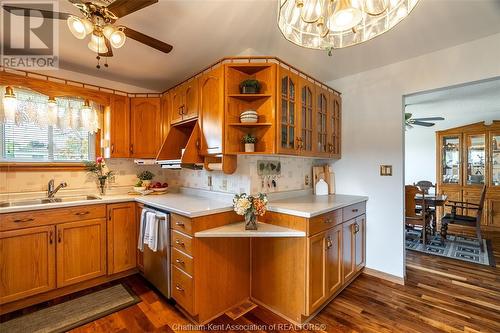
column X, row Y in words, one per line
column 440, row 295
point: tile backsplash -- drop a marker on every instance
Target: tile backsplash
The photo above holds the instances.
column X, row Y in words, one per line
column 245, row 179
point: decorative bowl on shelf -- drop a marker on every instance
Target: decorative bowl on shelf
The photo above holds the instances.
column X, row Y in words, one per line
column 249, row 116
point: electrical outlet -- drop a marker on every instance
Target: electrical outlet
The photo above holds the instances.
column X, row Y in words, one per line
column 306, row 180
column 209, row 181
column 224, row 184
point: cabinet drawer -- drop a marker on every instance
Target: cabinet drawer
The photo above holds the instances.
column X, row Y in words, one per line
column 352, row 211
column 37, row 218
column 182, row 289
column 182, row 242
column 325, row 221
column 182, row 261
column 181, row 223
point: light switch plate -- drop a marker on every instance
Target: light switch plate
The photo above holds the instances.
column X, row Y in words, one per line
column 386, row 170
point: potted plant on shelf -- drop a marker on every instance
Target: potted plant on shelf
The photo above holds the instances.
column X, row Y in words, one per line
column 249, row 141
column 98, row 169
column 250, row 207
column 250, row 86
column 146, row 177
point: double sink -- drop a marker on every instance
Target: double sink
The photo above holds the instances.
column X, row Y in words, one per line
column 41, row 201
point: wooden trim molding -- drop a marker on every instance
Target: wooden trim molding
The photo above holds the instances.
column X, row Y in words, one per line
column 48, row 166
column 384, row 276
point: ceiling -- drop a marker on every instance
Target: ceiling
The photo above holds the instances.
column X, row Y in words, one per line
column 459, row 105
column 204, row 31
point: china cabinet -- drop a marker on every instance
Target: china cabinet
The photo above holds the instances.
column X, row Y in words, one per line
column 468, row 158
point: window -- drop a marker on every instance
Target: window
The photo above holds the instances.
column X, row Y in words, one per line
column 32, row 137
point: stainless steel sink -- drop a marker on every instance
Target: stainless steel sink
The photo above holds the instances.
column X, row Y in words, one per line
column 29, row 202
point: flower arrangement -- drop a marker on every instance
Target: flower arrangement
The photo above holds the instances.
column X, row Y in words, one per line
column 250, row 207
column 98, row 169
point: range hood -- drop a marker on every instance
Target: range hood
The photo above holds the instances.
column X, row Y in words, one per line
column 180, row 149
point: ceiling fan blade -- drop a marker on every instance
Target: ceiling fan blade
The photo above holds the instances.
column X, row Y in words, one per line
column 124, row 7
column 149, row 41
column 422, row 123
column 110, row 49
column 430, row 118
column 33, row 12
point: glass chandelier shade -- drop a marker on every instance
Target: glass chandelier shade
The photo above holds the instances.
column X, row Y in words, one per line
column 116, row 36
column 79, row 27
column 327, row 24
column 97, row 44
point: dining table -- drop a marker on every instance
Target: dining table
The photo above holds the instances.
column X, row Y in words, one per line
column 432, row 201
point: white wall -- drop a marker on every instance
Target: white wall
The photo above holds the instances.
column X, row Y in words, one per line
column 372, row 127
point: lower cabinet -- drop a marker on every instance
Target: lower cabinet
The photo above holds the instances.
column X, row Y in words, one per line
column 353, row 238
column 27, row 258
column 81, row 251
column 333, row 258
column 122, row 237
column 317, row 257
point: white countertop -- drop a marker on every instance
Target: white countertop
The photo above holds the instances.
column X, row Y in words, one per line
column 238, row 230
column 313, row 205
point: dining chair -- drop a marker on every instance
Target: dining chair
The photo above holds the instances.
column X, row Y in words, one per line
column 425, row 186
column 415, row 216
column 471, row 221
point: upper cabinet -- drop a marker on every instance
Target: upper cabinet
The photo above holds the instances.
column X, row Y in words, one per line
column 185, row 101
column 145, row 131
column 287, row 136
column 307, row 117
column 119, row 126
column 211, row 106
column 334, row 125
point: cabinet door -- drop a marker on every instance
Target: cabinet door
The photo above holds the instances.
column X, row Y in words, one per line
column 166, row 106
column 475, row 164
column 334, row 125
column 359, row 238
column 333, row 260
column 454, row 194
column 177, row 101
column 145, row 131
column 212, row 111
column 494, row 212
column 27, row 258
column 321, row 147
column 450, row 170
column 190, row 109
column 120, row 126
column 349, row 249
column 307, row 117
column 122, row 237
column 494, row 173
column 288, row 115
column 317, row 271
column 81, row 251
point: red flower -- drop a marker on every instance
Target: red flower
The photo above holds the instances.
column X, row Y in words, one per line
column 99, row 160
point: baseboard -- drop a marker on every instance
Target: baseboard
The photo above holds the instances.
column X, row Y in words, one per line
column 384, row 276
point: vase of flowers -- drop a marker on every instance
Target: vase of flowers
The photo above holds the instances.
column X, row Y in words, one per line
column 250, row 207
column 99, row 170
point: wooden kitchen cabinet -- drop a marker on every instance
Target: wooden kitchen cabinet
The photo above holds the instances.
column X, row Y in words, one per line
column 119, row 127
column 317, row 258
column 145, row 131
column 321, row 135
column 307, row 117
column 166, row 105
column 122, row 237
column 360, row 243
column 334, row 125
column 185, row 101
column 211, row 96
column 288, row 115
column 353, row 238
column 27, row 258
column 81, row 251
column 334, row 260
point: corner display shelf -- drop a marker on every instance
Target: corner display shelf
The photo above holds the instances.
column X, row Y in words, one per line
column 264, row 103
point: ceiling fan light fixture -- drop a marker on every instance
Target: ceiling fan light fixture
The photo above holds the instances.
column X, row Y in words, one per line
column 97, row 44
column 79, row 27
column 117, row 38
column 9, row 104
column 52, row 111
column 108, row 30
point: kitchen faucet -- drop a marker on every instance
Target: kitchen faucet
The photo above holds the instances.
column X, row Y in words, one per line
column 51, row 191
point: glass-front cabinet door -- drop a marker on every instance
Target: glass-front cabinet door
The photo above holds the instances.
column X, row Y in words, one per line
column 450, row 159
column 307, row 92
column 334, row 125
column 322, row 148
column 475, row 153
column 494, row 139
column 288, row 112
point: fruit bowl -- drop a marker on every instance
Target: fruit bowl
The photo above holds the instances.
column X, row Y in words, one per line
column 160, row 189
column 139, row 188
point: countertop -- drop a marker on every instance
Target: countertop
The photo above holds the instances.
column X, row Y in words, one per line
column 195, row 203
column 238, row 230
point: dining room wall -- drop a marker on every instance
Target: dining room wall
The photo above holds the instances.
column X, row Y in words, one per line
column 372, row 125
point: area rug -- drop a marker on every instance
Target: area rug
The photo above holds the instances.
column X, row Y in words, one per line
column 455, row 247
column 73, row 313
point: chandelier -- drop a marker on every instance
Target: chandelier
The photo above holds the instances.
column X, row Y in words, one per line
column 334, row 24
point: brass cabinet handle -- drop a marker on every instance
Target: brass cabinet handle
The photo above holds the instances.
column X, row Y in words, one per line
column 59, row 236
column 29, row 219
column 297, row 145
column 355, row 210
column 328, row 242
column 180, row 224
column 51, row 237
column 179, row 261
column 179, row 287
column 179, row 242
column 82, row 213
column 356, row 228
column 132, row 148
column 112, row 148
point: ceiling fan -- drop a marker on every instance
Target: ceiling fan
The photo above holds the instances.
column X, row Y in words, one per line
column 409, row 121
column 98, row 20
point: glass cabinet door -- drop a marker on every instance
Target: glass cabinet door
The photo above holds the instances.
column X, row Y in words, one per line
column 450, row 162
column 306, row 121
column 287, row 121
column 495, row 158
column 322, row 114
column 476, row 159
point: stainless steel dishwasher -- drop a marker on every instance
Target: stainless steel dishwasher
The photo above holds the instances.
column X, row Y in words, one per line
column 157, row 264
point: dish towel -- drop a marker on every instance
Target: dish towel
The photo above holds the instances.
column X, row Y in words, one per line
column 148, row 232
